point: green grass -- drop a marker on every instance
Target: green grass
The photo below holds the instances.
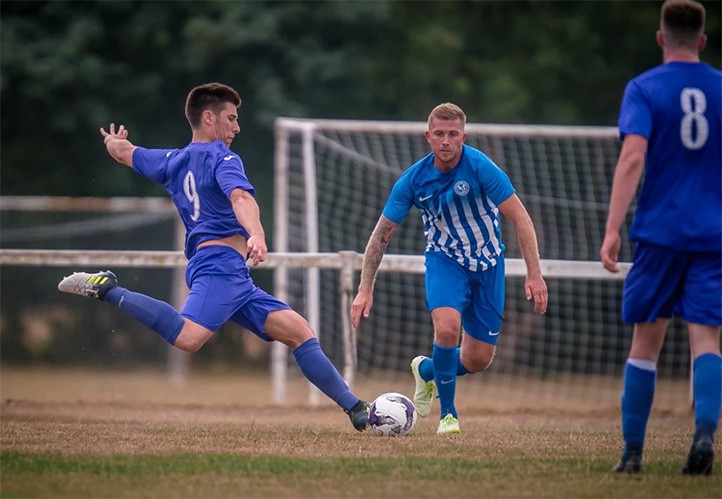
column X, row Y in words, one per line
column 28, row 474
column 130, row 435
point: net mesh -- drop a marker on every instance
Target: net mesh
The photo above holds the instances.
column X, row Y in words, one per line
column 562, row 174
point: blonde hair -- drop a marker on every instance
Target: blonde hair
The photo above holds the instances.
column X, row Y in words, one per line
column 682, row 22
column 449, row 112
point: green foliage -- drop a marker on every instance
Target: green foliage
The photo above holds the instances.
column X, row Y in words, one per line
column 71, row 67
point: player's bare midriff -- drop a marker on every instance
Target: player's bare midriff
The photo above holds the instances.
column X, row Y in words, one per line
column 236, row 241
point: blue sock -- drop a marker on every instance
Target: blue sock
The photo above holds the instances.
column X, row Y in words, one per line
column 445, row 360
column 321, row 372
column 707, row 387
column 426, row 368
column 636, row 404
column 155, row 314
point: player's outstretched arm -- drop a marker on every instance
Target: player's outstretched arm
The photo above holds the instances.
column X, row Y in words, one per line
column 624, row 186
column 535, row 287
column 375, row 249
column 118, row 145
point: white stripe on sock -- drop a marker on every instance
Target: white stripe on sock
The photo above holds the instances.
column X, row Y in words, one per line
column 647, row 365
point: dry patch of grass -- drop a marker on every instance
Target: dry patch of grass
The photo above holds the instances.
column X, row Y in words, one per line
column 168, row 445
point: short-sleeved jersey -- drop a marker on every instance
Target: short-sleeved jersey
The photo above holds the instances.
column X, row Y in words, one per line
column 676, row 107
column 199, row 179
column 458, row 208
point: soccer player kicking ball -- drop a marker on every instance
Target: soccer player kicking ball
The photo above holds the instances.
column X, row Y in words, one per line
column 670, row 126
column 460, row 193
column 215, row 200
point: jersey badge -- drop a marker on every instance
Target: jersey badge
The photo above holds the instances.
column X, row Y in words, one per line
column 462, row 188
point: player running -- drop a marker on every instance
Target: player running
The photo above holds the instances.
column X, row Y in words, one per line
column 215, row 200
column 460, row 193
column 670, row 126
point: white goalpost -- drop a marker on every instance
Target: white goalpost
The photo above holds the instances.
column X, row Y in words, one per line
column 332, row 178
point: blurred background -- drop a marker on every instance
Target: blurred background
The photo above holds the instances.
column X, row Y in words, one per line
column 68, row 68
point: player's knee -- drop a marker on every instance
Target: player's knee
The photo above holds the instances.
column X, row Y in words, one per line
column 189, row 342
column 188, row 345
column 478, row 365
column 192, row 337
column 446, row 336
column 295, row 338
column 479, row 362
column 288, row 328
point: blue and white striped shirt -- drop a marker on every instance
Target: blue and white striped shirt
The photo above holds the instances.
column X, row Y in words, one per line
column 459, row 208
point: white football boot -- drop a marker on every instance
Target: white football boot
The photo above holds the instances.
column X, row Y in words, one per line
column 90, row 285
column 424, row 393
column 449, row 425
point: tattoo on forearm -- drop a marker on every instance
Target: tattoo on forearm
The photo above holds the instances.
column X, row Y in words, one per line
column 383, row 232
column 378, row 242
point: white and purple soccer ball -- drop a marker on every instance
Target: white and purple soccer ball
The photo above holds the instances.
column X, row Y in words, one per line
column 392, row 415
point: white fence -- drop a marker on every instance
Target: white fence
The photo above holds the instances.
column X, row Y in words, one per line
column 346, row 263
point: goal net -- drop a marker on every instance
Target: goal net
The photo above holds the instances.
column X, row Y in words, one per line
column 331, row 182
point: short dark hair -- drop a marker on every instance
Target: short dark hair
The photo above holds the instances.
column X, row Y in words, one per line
column 211, row 96
column 682, row 22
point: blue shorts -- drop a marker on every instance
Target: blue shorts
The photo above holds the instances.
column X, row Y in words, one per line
column 663, row 281
column 478, row 296
column 221, row 289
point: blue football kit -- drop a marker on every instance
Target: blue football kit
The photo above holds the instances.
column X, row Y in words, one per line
column 464, row 255
column 677, row 225
column 677, row 229
column 464, row 252
column 199, row 179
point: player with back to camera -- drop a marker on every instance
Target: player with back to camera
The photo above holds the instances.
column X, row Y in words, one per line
column 670, row 126
column 460, row 193
column 215, row 200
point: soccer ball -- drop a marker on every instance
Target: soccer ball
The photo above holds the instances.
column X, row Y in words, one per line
column 392, row 415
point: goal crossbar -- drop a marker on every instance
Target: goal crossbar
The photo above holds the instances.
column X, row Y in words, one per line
column 418, row 127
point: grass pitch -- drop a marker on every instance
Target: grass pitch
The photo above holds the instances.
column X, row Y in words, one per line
column 154, row 441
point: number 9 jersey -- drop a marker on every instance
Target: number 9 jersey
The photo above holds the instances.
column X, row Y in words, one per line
column 677, row 107
column 199, row 179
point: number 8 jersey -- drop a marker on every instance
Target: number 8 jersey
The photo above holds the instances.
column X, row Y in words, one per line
column 199, row 179
column 677, row 107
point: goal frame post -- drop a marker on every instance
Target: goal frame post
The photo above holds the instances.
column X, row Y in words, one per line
column 306, row 130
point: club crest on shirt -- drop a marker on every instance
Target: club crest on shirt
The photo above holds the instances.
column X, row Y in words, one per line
column 462, row 188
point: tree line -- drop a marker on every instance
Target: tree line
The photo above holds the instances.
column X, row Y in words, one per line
column 68, row 67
